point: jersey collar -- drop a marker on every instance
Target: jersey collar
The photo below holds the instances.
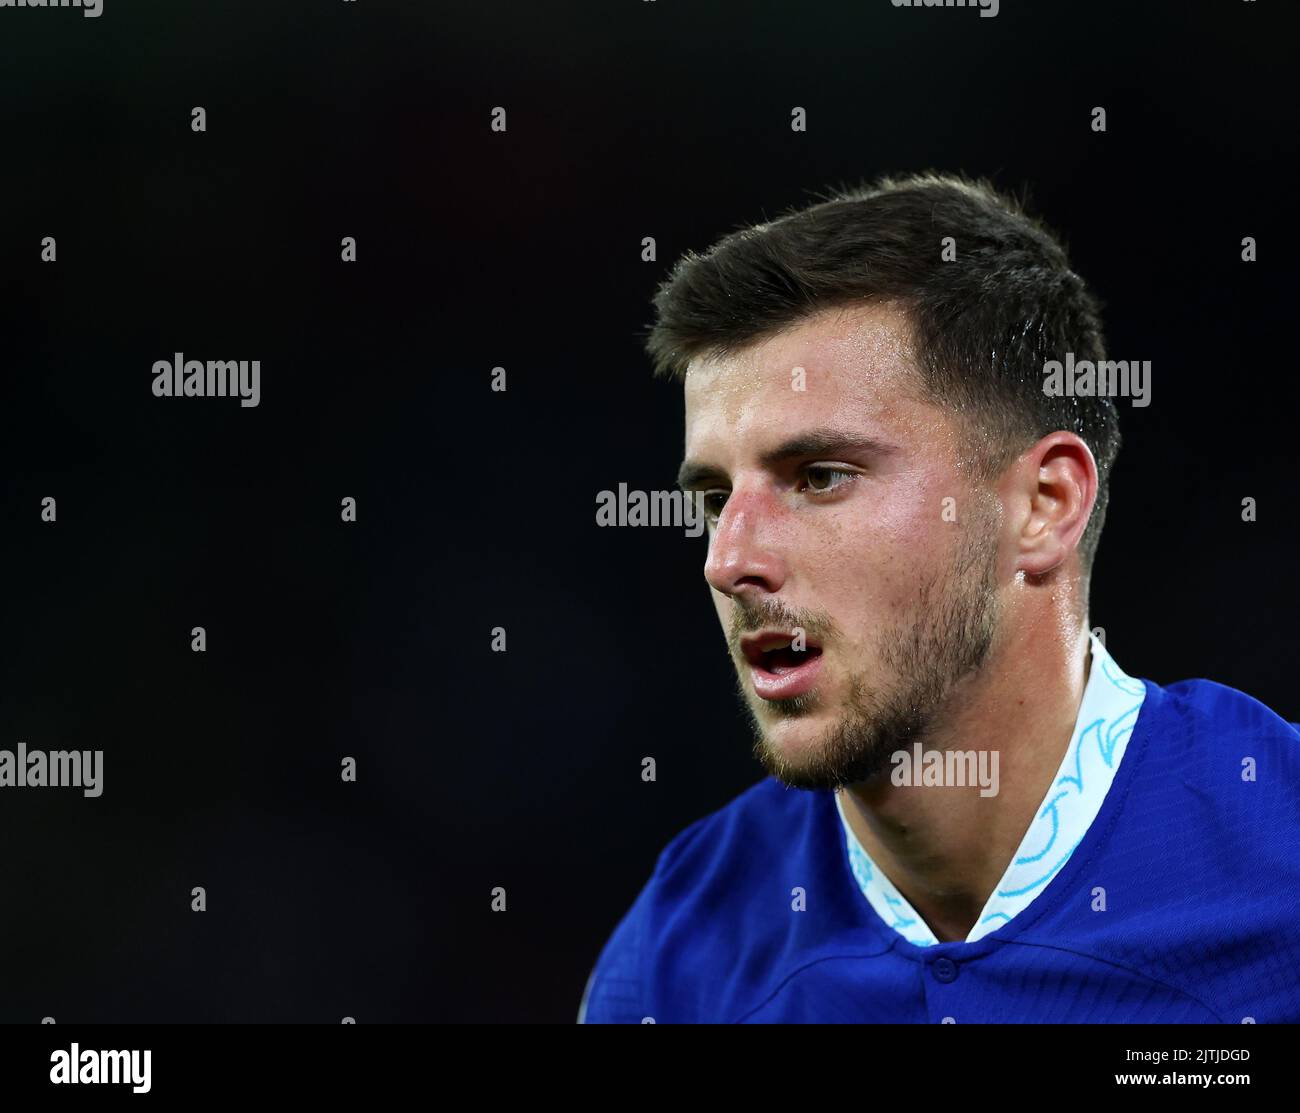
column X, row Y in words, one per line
column 1107, row 713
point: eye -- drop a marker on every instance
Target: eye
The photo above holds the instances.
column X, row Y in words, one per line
column 714, row 501
column 824, row 478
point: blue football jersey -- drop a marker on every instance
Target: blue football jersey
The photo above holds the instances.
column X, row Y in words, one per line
column 1180, row 903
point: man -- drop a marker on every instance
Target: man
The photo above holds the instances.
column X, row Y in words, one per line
column 973, row 814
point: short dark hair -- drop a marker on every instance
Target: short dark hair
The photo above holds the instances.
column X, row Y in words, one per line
column 983, row 324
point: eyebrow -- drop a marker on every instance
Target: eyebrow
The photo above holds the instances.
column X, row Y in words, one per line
column 815, row 442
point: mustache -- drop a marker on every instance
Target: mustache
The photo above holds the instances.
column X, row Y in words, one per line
column 748, row 615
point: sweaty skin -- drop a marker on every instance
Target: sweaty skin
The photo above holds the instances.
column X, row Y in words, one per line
column 855, row 536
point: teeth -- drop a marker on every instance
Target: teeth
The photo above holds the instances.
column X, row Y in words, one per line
column 780, row 645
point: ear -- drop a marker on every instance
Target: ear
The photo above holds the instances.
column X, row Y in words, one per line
column 1049, row 493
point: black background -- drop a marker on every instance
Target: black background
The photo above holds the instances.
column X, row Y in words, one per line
column 522, row 250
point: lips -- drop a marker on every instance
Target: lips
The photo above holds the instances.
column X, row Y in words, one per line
column 777, row 670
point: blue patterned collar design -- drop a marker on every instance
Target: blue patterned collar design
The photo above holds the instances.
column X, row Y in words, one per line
column 1110, row 705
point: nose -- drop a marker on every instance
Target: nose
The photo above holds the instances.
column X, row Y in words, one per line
column 741, row 556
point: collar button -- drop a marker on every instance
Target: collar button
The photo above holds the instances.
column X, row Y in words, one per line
column 944, row 970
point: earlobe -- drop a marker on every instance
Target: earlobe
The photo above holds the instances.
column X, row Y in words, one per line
column 1040, row 558
column 1040, row 551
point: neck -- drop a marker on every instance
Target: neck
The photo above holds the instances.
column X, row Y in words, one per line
column 946, row 848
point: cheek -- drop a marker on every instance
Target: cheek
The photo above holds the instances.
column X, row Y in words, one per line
column 872, row 562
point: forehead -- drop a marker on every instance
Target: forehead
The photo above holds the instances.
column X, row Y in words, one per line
column 856, row 368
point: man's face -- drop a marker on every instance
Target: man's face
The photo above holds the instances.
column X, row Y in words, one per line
column 839, row 506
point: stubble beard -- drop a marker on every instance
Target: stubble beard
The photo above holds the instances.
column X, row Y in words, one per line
column 948, row 636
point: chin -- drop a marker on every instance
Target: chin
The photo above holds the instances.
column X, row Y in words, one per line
column 796, row 740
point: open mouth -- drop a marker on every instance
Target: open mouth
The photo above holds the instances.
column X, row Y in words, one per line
column 777, row 669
